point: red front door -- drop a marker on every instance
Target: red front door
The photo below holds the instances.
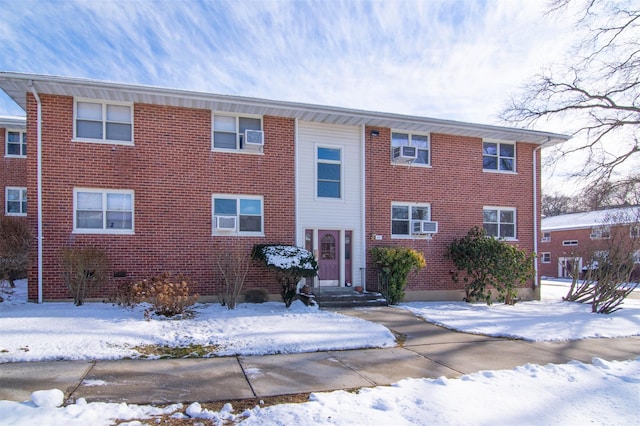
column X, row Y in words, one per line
column 329, row 258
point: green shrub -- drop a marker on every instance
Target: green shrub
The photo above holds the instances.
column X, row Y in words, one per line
column 290, row 263
column 85, row 269
column 15, row 239
column 395, row 264
column 168, row 295
column 489, row 263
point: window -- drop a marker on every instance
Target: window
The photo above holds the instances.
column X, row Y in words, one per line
column 329, row 172
column 546, row 237
column 421, row 142
column 634, row 231
column 16, row 201
column 228, row 130
column 237, row 214
column 546, row 257
column 498, row 156
column 103, row 211
column 570, row 243
column 402, row 216
column 499, row 222
column 16, row 145
column 102, row 121
column 600, row 232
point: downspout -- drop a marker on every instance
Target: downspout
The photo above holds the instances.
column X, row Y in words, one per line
column 39, row 186
column 363, row 208
column 536, row 281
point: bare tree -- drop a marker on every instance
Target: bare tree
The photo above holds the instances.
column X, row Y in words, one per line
column 597, row 92
column 557, row 204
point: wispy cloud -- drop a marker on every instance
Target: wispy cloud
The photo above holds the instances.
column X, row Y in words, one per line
column 447, row 59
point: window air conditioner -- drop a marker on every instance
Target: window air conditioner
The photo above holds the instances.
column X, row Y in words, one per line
column 253, row 139
column 405, row 154
column 224, row 223
column 424, row 227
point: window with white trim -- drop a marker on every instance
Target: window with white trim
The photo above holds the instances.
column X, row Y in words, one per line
column 498, row 156
column 15, row 201
column 634, row 231
column 404, row 214
column 499, row 222
column 546, row 237
column 545, row 257
column 98, row 121
column 228, row 130
column 329, row 172
column 570, row 243
column 98, row 211
column 420, row 141
column 15, row 143
column 237, row 214
column 601, row 232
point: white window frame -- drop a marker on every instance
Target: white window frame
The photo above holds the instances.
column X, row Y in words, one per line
column 499, row 209
column 105, row 229
column 104, row 105
column 22, row 199
column 600, row 232
column 498, row 157
column 409, row 206
column 237, row 199
column 546, row 237
column 410, row 136
column 634, row 231
column 23, row 143
column 238, row 148
column 545, row 257
column 340, row 162
column 568, row 243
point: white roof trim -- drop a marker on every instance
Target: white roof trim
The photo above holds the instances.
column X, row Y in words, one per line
column 16, row 85
column 13, row 122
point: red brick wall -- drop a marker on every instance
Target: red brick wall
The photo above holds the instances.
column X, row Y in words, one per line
column 13, row 171
column 174, row 173
column 457, row 189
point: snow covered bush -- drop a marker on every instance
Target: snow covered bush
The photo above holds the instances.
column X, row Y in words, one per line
column 290, row 263
column 15, row 238
column 395, row 264
column 488, row 263
column 85, row 269
column 168, row 295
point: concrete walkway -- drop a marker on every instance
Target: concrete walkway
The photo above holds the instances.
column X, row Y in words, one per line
column 424, row 350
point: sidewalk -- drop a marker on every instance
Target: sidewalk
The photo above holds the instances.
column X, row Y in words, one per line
column 424, row 350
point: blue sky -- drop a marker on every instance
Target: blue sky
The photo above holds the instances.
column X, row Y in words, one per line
column 447, row 59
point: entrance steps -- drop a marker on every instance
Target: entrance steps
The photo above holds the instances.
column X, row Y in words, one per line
column 341, row 297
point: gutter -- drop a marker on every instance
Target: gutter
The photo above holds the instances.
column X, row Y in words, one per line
column 39, row 187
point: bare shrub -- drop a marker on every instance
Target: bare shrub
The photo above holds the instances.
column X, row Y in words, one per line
column 255, row 295
column 233, row 267
column 85, row 270
column 168, row 295
column 15, row 239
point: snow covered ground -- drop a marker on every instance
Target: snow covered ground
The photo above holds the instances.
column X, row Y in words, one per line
column 575, row 393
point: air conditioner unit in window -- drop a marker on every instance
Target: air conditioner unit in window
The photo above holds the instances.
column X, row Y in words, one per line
column 224, row 223
column 253, row 139
column 424, row 227
column 405, row 154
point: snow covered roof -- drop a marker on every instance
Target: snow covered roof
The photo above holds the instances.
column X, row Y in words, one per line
column 17, row 85
column 619, row 215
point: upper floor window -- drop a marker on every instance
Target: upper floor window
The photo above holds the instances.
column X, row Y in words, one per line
column 329, row 172
column 570, row 243
column 419, row 141
column 634, row 231
column 406, row 218
column 103, row 211
column 546, row 237
column 16, row 143
column 229, row 131
column 103, row 121
column 239, row 214
column 499, row 222
column 499, row 156
column 600, row 232
column 16, row 201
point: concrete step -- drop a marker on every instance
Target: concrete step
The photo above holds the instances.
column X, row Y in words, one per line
column 348, row 298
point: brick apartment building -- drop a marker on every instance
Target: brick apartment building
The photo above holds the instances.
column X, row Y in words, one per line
column 166, row 180
column 572, row 240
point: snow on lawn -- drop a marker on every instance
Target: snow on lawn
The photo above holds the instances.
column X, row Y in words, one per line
column 599, row 393
column 550, row 319
column 61, row 330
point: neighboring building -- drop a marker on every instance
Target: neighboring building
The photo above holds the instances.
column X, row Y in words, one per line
column 572, row 240
column 13, row 169
column 168, row 180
